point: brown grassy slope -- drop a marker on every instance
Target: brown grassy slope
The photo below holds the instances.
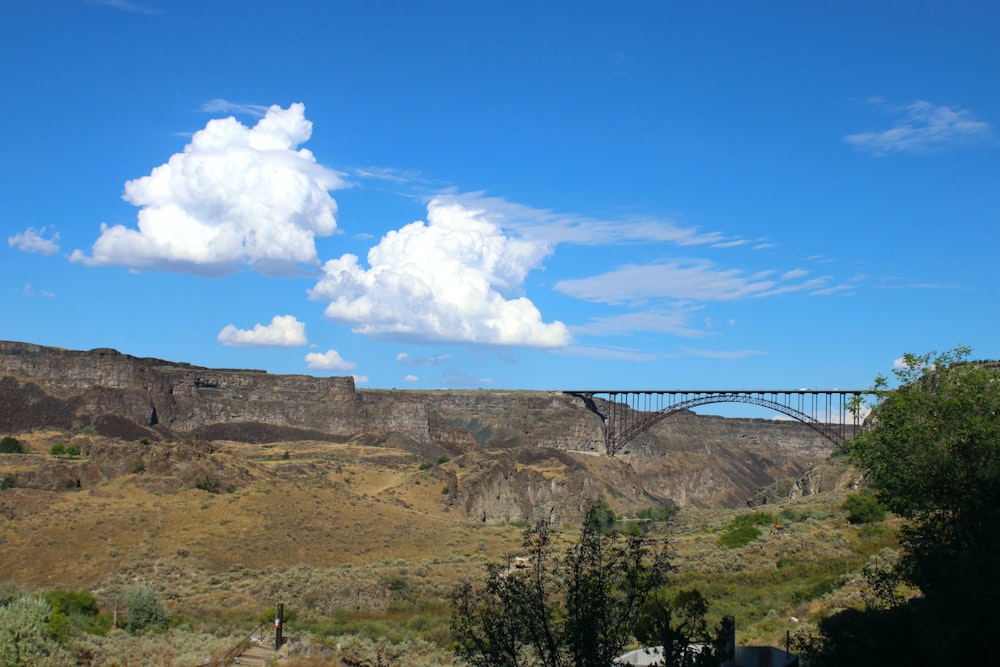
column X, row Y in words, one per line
column 355, row 527
column 325, row 506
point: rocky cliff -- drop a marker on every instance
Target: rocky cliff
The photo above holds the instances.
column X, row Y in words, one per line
column 532, row 454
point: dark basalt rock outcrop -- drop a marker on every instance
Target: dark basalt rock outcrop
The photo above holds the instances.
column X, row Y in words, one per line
column 539, row 453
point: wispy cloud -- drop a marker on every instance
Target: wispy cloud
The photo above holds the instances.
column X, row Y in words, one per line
column 225, row 106
column 433, row 360
column 29, row 290
column 283, row 331
column 453, row 377
column 676, row 322
column 920, row 127
column 722, row 354
column 555, row 228
column 31, row 240
column 127, row 6
column 682, row 279
column 609, row 353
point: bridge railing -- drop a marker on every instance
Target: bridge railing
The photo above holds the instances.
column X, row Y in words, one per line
column 832, row 413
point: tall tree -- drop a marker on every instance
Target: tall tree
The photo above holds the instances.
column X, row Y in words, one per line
column 577, row 609
column 932, row 451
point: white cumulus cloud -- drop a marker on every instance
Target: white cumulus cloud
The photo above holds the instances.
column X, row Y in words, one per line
column 330, row 361
column 31, row 240
column 283, row 331
column 455, row 278
column 236, row 196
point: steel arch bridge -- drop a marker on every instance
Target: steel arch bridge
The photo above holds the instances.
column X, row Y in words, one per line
column 627, row 413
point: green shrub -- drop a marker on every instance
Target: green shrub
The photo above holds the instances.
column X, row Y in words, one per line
column 72, row 450
column 632, row 529
column 658, row 513
column 74, row 609
column 739, row 536
column 208, row 482
column 752, row 519
column 863, row 508
column 26, row 634
column 73, row 603
column 425, row 465
column 11, row 445
column 6, row 482
column 144, row 610
column 743, row 529
column 443, row 459
column 57, row 449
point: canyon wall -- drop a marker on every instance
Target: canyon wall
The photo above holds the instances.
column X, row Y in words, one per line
column 535, row 452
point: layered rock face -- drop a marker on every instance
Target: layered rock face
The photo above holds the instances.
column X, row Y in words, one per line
column 537, row 454
column 83, row 387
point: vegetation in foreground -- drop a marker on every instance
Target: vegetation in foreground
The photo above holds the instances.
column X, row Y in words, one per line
column 933, row 456
column 813, row 561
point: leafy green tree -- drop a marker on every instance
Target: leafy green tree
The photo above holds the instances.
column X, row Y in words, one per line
column 57, row 449
column 144, row 610
column 600, row 517
column 679, row 626
column 572, row 610
column 932, row 451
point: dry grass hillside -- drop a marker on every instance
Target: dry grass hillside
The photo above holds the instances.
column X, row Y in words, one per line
column 229, row 508
column 368, row 540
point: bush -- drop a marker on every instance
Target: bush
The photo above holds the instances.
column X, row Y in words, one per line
column 26, row 636
column 6, row 482
column 425, row 465
column 752, row 519
column 739, row 536
column 57, row 449
column 72, row 450
column 144, row 610
column 743, row 529
column 863, row 508
column 11, row 445
column 443, row 459
column 658, row 513
column 208, row 483
column 73, row 602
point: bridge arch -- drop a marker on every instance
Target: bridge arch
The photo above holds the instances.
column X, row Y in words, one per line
column 830, row 413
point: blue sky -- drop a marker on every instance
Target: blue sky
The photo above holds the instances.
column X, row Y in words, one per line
column 554, row 195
